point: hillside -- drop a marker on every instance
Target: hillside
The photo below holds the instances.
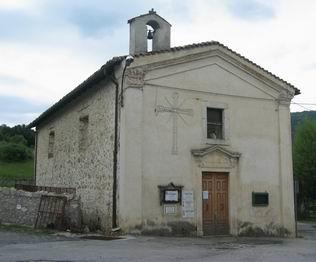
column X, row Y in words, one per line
column 298, row 117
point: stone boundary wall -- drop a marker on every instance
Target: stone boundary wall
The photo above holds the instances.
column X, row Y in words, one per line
column 21, row 207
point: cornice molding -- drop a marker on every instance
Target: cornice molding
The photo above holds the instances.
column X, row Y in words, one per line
column 214, row 148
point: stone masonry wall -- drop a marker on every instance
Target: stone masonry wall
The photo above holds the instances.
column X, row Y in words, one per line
column 21, row 207
column 82, row 152
column 18, row 207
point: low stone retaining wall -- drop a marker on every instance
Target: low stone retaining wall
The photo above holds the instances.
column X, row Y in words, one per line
column 21, row 207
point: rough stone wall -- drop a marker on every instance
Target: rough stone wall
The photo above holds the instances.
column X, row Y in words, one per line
column 85, row 166
column 21, row 207
column 18, row 207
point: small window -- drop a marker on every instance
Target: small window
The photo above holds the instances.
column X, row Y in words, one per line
column 260, row 199
column 51, row 143
column 83, row 133
column 214, row 123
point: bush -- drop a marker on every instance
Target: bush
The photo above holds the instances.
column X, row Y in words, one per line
column 18, row 139
column 10, row 152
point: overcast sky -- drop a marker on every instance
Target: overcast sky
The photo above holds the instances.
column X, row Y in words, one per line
column 48, row 47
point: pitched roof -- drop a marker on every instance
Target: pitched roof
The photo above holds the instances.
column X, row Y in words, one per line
column 96, row 77
column 151, row 12
column 215, row 43
column 106, row 69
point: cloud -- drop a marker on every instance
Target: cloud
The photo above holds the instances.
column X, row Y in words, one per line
column 11, row 104
column 10, row 80
column 16, row 110
column 13, row 119
column 49, row 47
column 14, row 4
column 251, row 9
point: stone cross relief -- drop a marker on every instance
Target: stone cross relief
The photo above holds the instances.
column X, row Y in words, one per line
column 176, row 111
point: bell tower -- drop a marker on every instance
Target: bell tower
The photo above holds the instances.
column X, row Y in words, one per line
column 148, row 29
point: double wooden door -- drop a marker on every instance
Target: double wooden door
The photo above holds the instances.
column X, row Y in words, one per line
column 215, row 203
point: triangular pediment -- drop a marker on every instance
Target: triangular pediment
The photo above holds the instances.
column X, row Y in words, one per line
column 215, row 156
column 214, row 149
column 189, row 53
column 212, row 75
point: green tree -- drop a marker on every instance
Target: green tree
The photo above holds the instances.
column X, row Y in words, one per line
column 304, row 160
column 18, row 139
column 7, row 132
column 10, row 152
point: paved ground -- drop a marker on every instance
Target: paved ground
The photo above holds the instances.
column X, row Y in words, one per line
column 38, row 247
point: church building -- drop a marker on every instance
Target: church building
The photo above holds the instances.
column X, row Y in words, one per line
column 188, row 140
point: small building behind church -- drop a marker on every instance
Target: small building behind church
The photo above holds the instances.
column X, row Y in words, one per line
column 188, row 140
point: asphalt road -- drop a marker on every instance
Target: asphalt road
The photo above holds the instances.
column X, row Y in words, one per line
column 20, row 247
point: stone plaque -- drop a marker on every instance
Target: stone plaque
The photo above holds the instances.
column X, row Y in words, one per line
column 135, row 77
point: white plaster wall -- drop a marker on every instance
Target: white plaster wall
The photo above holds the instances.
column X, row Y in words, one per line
column 252, row 129
column 91, row 171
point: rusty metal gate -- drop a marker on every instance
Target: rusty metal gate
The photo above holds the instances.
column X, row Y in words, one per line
column 51, row 212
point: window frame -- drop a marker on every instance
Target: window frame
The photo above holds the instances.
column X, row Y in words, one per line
column 51, row 143
column 83, row 136
column 219, row 124
column 225, row 140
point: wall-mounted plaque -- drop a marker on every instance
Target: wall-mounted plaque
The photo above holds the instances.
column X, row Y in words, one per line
column 170, row 210
column 260, row 199
column 187, row 204
column 170, row 193
column 171, row 196
column 205, row 194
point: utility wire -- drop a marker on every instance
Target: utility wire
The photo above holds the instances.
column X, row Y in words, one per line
column 299, row 104
column 308, row 104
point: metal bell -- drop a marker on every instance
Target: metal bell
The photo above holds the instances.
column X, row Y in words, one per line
column 150, row 34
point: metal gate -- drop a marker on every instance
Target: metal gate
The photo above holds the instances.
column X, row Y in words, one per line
column 51, row 212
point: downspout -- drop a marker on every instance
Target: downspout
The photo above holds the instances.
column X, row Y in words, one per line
column 35, row 157
column 115, row 151
column 128, row 60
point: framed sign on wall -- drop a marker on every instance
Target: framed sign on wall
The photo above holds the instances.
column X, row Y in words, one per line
column 260, row 199
column 170, row 194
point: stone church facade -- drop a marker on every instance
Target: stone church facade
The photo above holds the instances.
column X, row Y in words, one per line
column 192, row 140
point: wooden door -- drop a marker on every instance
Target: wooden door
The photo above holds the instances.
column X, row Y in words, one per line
column 215, row 203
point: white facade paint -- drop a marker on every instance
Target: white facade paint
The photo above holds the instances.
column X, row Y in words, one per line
column 256, row 125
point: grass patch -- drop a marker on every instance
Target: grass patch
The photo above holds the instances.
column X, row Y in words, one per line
column 17, row 170
column 11, row 171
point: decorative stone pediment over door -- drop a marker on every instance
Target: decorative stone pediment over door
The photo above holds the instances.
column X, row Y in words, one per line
column 215, row 157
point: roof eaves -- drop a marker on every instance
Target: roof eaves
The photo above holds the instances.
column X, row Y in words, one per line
column 96, row 77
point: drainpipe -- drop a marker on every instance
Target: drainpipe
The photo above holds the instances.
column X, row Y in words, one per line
column 35, row 157
column 114, row 193
column 129, row 59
